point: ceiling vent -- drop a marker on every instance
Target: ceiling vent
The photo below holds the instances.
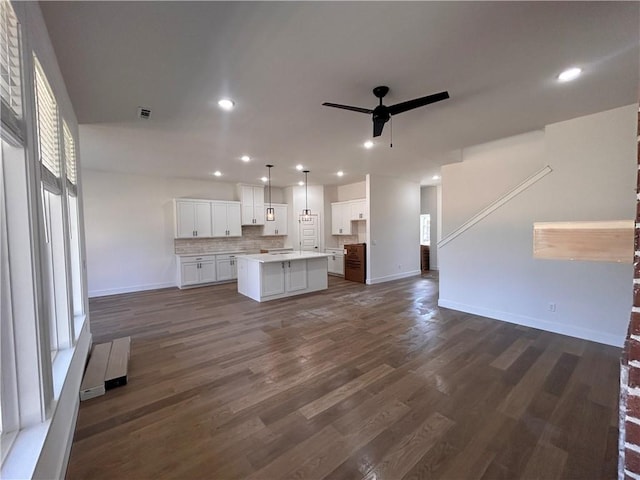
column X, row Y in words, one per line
column 144, row 113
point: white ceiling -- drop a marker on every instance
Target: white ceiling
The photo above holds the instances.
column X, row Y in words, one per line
column 280, row 61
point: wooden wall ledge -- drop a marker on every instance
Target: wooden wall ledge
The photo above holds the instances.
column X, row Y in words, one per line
column 607, row 241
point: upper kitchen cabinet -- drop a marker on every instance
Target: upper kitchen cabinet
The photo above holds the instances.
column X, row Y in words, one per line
column 279, row 225
column 343, row 213
column 359, row 209
column 341, row 218
column 252, row 200
column 226, row 219
column 193, row 218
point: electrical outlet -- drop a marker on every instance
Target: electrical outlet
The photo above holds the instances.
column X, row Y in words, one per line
column 552, row 307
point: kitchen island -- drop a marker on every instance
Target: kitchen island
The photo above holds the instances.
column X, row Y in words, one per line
column 268, row 276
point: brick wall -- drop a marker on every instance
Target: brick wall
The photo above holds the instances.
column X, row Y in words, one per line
column 629, row 421
column 251, row 240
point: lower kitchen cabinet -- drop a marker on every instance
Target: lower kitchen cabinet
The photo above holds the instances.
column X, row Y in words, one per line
column 196, row 270
column 335, row 261
column 226, row 268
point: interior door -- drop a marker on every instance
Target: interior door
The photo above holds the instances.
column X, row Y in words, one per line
column 309, row 232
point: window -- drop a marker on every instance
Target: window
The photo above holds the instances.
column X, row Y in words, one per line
column 54, row 266
column 10, row 73
column 42, row 300
column 425, row 229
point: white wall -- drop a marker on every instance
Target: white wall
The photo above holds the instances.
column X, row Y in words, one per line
column 352, row 191
column 130, row 227
column 486, row 172
column 429, row 205
column 489, row 270
column 393, row 228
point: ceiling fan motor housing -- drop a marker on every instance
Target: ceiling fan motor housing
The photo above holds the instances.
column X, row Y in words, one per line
column 381, row 114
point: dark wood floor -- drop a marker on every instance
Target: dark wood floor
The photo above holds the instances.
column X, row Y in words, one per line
column 358, row 381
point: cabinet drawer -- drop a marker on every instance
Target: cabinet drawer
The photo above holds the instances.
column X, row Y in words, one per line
column 197, row 259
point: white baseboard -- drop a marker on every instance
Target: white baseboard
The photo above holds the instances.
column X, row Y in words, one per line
column 554, row 327
column 135, row 288
column 396, row 276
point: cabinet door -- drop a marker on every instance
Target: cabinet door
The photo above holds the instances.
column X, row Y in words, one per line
column 258, row 197
column 185, row 219
column 336, row 218
column 272, row 278
column 358, row 210
column 296, row 275
column 224, row 270
column 234, row 268
column 341, row 219
column 282, row 220
column 259, row 215
column 207, row 271
column 219, row 214
column 190, row 274
column 234, row 223
column 270, row 227
column 203, row 219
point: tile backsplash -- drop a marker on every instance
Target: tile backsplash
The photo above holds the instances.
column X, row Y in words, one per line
column 251, row 240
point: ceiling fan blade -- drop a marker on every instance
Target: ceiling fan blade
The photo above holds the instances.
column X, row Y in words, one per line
column 348, row 107
column 417, row 102
column 377, row 127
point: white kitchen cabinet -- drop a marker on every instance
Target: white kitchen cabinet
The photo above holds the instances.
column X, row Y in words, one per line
column 341, row 218
column 226, row 268
column 279, row 225
column 295, row 276
column 193, row 218
column 252, row 200
column 335, row 261
column 358, row 209
column 272, row 279
column 266, row 276
column 226, row 219
column 196, row 270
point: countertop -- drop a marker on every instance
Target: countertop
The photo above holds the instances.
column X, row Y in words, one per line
column 283, row 257
column 225, row 252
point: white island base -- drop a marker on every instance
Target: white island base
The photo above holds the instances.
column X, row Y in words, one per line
column 271, row 276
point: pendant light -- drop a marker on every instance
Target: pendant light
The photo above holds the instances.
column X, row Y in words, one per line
column 271, row 213
column 306, row 212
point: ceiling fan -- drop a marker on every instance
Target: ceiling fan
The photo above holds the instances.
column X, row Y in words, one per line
column 381, row 114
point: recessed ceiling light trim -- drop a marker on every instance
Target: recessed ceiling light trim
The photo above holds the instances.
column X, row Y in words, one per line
column 569, row 74
column 245, row 158
column 368, row 144
column 226, row 104
column 217, row 173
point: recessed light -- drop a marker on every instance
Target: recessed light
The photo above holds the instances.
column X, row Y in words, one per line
column 569, row 74
column 264, row 179
column 299, row 167
column 301, row 183
column 368, row 144
column 226, row 104
column 245, row 158
column 340, row 173
column 217, row 173
column 435, row 177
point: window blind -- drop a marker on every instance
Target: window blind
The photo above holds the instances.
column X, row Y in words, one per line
column 10, row 73
column 47, row 115
column 69, row 155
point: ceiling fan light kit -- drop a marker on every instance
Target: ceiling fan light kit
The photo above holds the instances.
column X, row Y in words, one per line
column 382, row 114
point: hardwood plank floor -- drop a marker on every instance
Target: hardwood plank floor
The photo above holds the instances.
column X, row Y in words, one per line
column 354, row 382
